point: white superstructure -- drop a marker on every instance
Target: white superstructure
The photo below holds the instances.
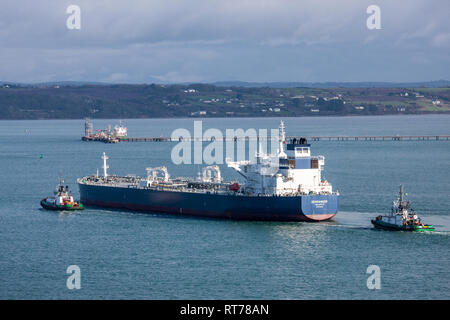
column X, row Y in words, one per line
column 401, row 212
column 289, row 172
column 120, row 131
column 61, row 195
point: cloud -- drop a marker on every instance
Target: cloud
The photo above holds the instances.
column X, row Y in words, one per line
column 117, row 23
column 208, row 40
column 441, row 40
column 116, row 77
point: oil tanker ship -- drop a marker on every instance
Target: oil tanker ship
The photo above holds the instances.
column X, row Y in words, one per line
column 283, row 186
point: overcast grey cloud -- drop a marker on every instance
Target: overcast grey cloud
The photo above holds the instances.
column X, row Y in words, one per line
column 211, row 40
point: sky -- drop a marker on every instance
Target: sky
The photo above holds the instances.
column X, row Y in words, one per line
column 177, row 41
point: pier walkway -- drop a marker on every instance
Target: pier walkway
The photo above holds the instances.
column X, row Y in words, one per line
column 369, row 138
column 311, row 138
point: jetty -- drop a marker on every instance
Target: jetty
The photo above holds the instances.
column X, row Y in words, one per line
column 378, row 138
column 110, row 139
column 119, row 134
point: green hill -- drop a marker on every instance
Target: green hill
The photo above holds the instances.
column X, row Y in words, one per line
column 206, row 100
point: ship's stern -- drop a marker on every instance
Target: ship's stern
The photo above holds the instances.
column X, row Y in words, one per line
column 319, row 207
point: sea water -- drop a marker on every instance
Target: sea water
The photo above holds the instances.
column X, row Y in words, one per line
column 123, row 254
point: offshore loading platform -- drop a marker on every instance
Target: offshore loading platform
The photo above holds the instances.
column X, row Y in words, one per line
column 107, row 135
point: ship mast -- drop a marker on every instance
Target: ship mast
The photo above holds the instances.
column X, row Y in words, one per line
column 61, row 180
column 105, row 166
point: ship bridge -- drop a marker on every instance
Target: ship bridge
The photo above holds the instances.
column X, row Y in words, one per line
column 296, row 171
column 298, row 153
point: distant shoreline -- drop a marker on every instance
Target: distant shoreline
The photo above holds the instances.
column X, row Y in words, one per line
column 252, row 84
column 212, row 101
column 199, row 119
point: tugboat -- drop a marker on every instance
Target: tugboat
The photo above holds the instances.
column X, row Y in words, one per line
column 62, row 200
column 402, row 218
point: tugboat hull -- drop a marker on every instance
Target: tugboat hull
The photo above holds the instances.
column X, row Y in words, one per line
column 393, row 227
column 49, row 206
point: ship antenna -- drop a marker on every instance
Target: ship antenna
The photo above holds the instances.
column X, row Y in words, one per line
column 401, row 196
column 61, row 180
column 105, row 166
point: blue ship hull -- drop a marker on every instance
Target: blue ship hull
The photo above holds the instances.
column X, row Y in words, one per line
column 268, row 208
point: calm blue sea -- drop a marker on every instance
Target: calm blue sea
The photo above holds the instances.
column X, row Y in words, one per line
column 149, row 256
